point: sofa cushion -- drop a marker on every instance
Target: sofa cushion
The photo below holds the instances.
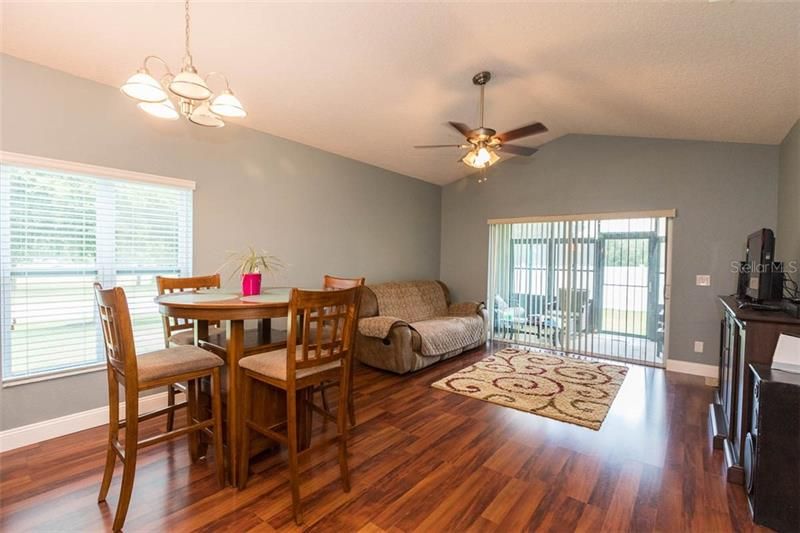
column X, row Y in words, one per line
column 378, row 326
column 448, row 333
column 411, row 301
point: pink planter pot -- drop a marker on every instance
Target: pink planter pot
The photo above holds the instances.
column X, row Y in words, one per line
column 251, row 284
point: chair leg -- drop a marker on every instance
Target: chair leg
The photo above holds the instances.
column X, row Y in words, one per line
column 191, row 418
column 131, row 448
column 113, row 435
column 170, row 403
column 108, row 472
column 244, row 457
column 294, row 476
column 351, row 406
column 322, row 387
column 344, row 392
column 216, row 410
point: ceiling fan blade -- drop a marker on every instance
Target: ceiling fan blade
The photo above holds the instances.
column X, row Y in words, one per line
column 518, row 150
column 462, row 128
column 524, row 131
column 439, row 146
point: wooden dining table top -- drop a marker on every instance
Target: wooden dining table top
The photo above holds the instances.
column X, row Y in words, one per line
column 212, row 304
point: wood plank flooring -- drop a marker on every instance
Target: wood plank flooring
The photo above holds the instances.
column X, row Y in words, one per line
column 422, row 459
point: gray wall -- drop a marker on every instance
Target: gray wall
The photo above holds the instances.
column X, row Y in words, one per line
column 320, row 212
column 788, row 233
column 722, row 191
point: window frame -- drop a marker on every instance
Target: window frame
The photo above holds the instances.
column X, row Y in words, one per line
column 91, row 171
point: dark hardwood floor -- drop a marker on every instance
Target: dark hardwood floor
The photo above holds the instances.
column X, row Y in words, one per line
column 421, row 459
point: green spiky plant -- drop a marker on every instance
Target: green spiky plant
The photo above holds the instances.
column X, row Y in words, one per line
column 253, row 261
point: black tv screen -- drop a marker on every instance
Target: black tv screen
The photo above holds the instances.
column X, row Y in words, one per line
column 760, row 251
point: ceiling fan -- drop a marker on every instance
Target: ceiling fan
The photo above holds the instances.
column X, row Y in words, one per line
column 483, row 142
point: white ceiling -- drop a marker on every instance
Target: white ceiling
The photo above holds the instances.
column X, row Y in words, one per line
column 369, row 80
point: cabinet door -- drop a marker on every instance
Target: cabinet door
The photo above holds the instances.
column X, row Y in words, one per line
column 741, row 413
column 724, row 368
column 735, row 357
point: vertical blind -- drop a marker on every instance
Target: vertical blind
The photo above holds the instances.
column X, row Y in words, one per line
column 61, row 232
column 585, row 286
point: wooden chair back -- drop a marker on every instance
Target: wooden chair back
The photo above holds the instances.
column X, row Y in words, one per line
column 115, row 320
column 334, row 314
column 332, row 282
column 167, row 285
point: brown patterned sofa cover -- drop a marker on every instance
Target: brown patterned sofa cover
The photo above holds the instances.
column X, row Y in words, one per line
column 405, row 326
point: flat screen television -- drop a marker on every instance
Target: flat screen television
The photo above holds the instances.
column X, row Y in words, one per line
column 763, row 280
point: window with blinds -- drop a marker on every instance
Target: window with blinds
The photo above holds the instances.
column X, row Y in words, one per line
column 62, row 231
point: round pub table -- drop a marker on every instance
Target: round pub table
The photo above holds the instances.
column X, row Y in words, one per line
column 233, row 309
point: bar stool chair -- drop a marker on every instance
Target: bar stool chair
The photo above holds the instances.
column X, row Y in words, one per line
column 333, row 283
column 148, row 371
column 314, row 359
column 180, row 331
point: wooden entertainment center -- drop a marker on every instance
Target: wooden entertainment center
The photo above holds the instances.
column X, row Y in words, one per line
column 747, row 336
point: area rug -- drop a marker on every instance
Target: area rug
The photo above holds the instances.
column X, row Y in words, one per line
column 564, row 388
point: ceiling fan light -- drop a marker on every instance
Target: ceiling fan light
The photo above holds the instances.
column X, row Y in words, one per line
column 480, row 158
column 202, row 116
column 493, row 158
column 165, row 109
column 144, row 87
column 469, row 159
column 188, row 84
column 227, row 105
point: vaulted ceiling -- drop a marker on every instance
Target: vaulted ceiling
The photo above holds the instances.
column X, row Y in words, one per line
column 370, row 80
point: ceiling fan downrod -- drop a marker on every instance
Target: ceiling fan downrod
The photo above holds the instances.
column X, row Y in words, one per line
column 481, row 79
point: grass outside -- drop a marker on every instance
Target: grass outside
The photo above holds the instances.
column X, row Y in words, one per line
column 625, row 322
column 41, row 346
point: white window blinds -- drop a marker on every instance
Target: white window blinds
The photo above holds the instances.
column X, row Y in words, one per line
column 593, row 286
column 62, row 231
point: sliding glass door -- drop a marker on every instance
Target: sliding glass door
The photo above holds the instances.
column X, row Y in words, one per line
column 594, row 286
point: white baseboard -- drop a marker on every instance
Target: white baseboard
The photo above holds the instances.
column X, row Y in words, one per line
column 64, row 425
column 696, row 369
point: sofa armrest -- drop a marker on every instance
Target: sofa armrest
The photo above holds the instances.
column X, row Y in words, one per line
column 378, row 326
column 466, row 309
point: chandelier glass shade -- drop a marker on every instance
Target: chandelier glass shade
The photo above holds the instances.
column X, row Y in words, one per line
column 164, row 109
column 189, row 85
column 144, row 87
column 227, row 105
column 202, row 116
column 191, row 92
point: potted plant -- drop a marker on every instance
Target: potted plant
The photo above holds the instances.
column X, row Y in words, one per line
column 250, row 265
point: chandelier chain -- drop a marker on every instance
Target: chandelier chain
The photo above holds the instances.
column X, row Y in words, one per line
column 187, row 19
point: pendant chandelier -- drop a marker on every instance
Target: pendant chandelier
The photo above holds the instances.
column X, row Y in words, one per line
column 195, row 100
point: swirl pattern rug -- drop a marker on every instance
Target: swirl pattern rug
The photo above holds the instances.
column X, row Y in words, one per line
column 564, row 388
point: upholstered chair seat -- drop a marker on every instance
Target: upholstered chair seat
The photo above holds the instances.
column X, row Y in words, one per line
column 169, row 362
column 273, row 365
